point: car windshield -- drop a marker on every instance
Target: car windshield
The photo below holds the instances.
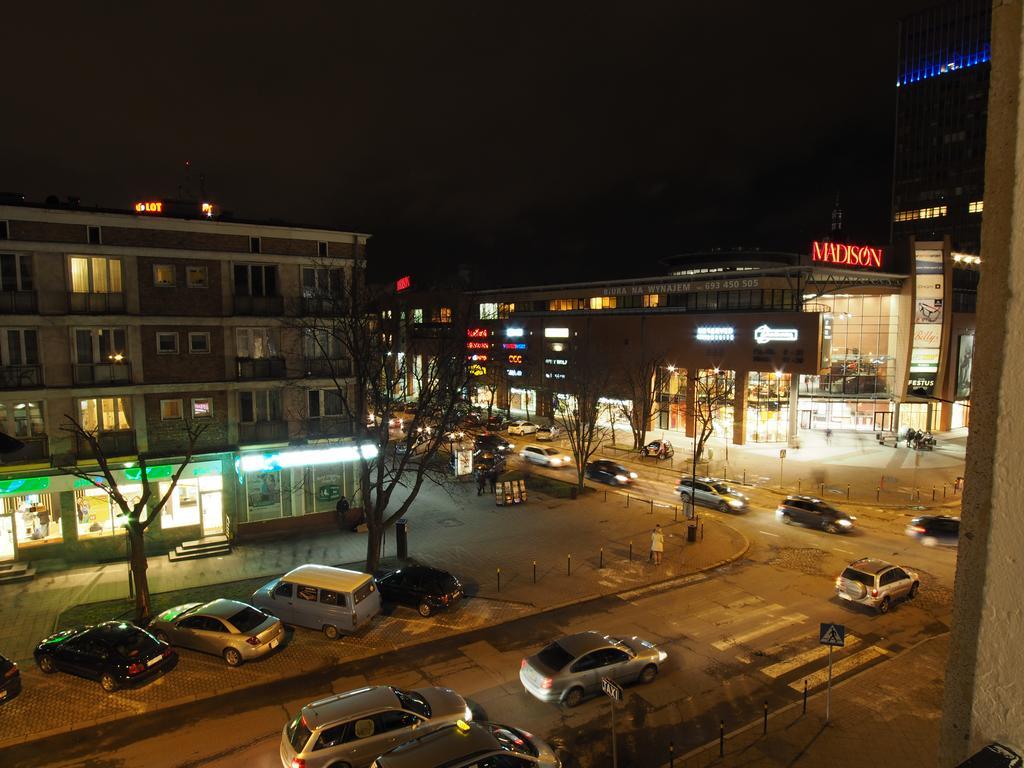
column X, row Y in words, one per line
column 131, row 643
column 554, row 657
column 551, row 451
column 413, row 702
column 722, row 488
column 247, row 619
column 298, row 733
column 864, row 578
column 512, row 741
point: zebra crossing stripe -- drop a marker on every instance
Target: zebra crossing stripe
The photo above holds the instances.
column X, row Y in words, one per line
column 820, row 677
column 785, row 621
column 807, row 657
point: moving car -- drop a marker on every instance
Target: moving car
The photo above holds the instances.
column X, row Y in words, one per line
column 426, row 589
column 496, row 421
column 876, row 583
column 935, row 530
column 712, row 493
column 522, row 428
column 814, row 513
column 352, row 728
column 546, row 457
column 569, row 669
column 548, row 432
column 10, row 679
column 236, row 631
column 606, row 471
column 472, row 745
column 493, row 442
column 115, row 652
column 654, row 448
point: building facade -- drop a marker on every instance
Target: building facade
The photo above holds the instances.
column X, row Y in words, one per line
column 132, row 323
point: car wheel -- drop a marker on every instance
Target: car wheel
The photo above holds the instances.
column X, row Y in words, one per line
column 787, row 519
column 831, row 528
column 883, row 607
column 573, row 697
column 913, row 590
column 232, row 657
column 425, row 610
column 648, row 673
column 160, row 635
column 47, row 664
column 108, row 682
column 723, row 507
column 330, row 632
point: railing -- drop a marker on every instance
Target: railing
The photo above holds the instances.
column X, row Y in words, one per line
column 329, row 426
column 20, row 376
column 318, row 367
column 19, row 302
column 263, row 432
column 96, row 303
column 99, row 374
column 260, row 368
column 258, row 305
column 324, row 306
column 111, row 443
column 35, row 449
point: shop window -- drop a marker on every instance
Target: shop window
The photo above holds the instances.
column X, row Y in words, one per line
column 163, row 275
column 98, row 514
column 170, row 409
column 36, row 518
column 197, row 276
column 199, row 343
column 202, row 407
column 95, row 274
column 195, row 501
column 263, row 495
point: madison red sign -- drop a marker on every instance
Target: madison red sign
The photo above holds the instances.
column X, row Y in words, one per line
column 847, row 255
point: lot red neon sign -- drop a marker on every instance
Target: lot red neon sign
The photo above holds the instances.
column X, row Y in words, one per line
column 477, row 333
column 847, row 255
column 403, row 283
column 477, row 345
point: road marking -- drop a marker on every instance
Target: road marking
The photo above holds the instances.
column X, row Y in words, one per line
column 682, row 581
column 820, row 677
column 769, row 534
column 818, row 652
column 840, row 549
column 785, row 621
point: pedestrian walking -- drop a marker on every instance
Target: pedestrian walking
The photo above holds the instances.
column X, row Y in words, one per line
column 481, row 482
column 492, row 479
column 657, row 544
column 43, row 514
column 828, row 437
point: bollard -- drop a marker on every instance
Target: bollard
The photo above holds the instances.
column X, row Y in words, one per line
column 847, row 491
column 652, row 508
column 675, row 514
column 534, row 571
column 671, row 755
column 721, row 738
column 568, row 565
column 933, row 493
column 943, row 490
column 878, row 492
column 606, row 495
column 499, row 579
column 600, row 562
column 798, row 482
column 631, row 551
column 764, row 730
column 702, row 531
column 805, row 697
column 744, row 477
column 821, row 489
column 627, row 499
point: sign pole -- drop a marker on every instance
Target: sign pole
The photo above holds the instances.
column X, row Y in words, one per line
column 615, row 755
column 828, row 690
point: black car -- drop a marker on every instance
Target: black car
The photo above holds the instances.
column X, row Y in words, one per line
column 659, row 449
column 492, row 442
column 496, row 421
column 10, row 679
column 609, row 472
column 935, row 530
column 428, row 589
column 115, row 652
column 814, row 513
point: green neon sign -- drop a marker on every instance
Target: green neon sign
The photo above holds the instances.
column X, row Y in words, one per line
column 24, row 485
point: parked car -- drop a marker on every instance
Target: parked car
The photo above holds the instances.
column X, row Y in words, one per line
column 814, row 513
column 472, row 745
column 876, row 583
column 236, row 631
column 712, row 493
column 606, row 471
column 655, row 448
column 494, row 442
column 353, row 728
column 935, row 530
column 426, row 589
column 571, row 668
column 115, row 652
column 547, row 457
column 10, row 679
column 522, row 428
column 496, row 421
column 549, row 432
column 414, row 444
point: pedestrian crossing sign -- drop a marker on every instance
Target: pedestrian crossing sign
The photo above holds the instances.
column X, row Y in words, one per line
column 832, row 634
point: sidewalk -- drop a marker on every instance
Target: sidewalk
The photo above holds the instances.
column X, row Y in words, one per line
column 887, row 715
column 461, row 532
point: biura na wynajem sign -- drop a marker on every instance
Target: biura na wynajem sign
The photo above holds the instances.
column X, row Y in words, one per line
column 845, row 255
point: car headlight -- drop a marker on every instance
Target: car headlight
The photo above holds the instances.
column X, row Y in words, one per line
column 633, row 475
column 468, row 715
column 662, row 656
column 844, row 523
column 621, row 478
column 735, row 503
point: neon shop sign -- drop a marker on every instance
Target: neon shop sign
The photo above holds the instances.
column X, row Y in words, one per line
column 847, row 255
column 765, row 334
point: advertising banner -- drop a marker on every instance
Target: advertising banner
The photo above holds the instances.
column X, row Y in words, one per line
column 965, row 361
column 929, row 315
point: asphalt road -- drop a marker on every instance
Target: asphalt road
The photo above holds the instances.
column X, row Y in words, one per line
column 736, row 637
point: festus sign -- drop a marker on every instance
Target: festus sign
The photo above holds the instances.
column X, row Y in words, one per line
column 847, row 255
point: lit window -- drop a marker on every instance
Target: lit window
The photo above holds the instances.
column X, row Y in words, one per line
column 197, row 276
column 163, row 275
column 104, row 414
column 167, row 343
column 556, row 333
column 202, row 407
column 505, row 311
column 921, row 213
column 95, row 274
column 488, row 311
column 417, row 316
column 170, row 409
column 602, row 302
column 444, row 315
column 652, row 300
column 976, row 207
column 199, row 343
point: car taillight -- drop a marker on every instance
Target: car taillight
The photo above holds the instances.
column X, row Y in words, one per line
column 134, row 669
column 917, row 529
column 546, row 683
column 874, row 592
column 522, row 664
column 445, row 599
column 252, row 640
column 298, row 762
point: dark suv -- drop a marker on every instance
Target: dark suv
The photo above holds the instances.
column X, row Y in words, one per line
column 935, row 530
column 492, row 442
column 814, row 513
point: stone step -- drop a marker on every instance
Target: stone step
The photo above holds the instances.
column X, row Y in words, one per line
column 13, row 572
column 204, row 542
column 198, row 553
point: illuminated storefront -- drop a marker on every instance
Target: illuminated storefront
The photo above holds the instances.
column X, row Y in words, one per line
column 768, row 407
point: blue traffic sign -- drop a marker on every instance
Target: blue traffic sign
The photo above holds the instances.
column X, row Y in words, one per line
column 832, row 634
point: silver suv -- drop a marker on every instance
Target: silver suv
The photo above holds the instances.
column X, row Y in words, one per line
column 876, row 583
column 712, row 493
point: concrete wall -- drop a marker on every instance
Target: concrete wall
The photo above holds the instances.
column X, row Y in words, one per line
column 984, row 693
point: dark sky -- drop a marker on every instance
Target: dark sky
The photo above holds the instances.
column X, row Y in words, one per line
column 556, row 140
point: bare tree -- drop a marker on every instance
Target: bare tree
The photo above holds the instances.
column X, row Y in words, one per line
column 577, row 408
column 139, row 514
column 642, row 378
column 713, row 390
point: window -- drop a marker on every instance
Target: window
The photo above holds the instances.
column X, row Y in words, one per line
column 197, row 276
column 100, row 345
column 256, row 343
column 95, row 274
column 591, row 661
column 602, row 302
column 167, row 342
column 22, row 419
column 442, row 315
column 978, row 206
column 19, row 346
column 324, row 402
column 254, row 245
column 417, row 316
column 306, row 593
column 94, row 236
column 321, row 281
column 3, row 230
column 652, row 299
column 260, row 405
column 332, row 737
column 104, row 414
column 199, row 342
column 284, row 589
column 933, row 212
column 202, row 407
column 255, row 279
column 164, row 275
column 170, row 409
column 321, row 344
column 488, row 311
column 327, row 597
column 322, row 249
column 16, row 272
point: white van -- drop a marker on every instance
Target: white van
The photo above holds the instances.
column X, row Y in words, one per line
column 333, row 600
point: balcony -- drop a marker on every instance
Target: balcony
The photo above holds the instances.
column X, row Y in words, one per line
column 101, row 374
column 259, row 305
column 19, row 303
column 120, row 443
column 36, row 449
column 263, row 432
column 95, row 303
column 324, row 306
column 320, row 368
column 21, row 376
column 329, row 426
column 260, row 368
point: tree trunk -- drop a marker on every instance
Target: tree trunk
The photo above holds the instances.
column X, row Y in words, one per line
column 374, row 537
column 139, row 566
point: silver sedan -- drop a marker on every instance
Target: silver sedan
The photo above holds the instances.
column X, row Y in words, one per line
column 236, row 631
column 571, row 668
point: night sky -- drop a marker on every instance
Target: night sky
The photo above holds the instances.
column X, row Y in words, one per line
column 536, row 142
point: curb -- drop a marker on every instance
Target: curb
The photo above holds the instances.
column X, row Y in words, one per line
column 947, row 504
column 710, row 745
